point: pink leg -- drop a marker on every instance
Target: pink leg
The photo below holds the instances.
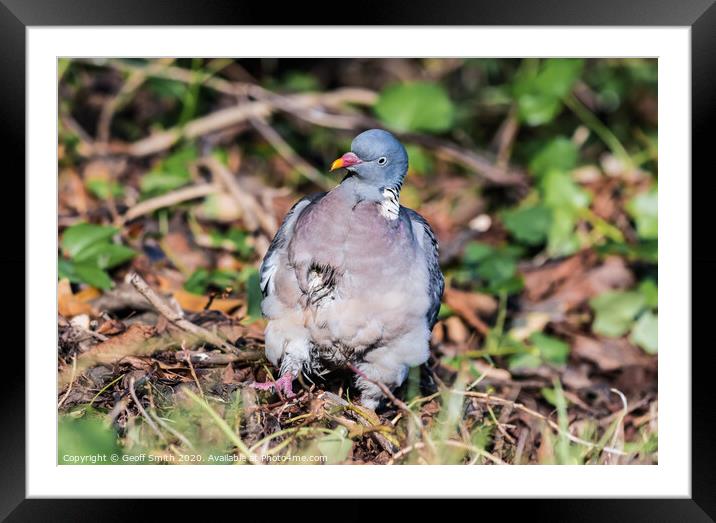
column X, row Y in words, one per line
column 282, row 385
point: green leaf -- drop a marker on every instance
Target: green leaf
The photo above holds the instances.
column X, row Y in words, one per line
column 558, row 75
column 93, row 275
column 561, row 240
column 650, row 292
column 498, row 268
column 476, row 252
column 644, row 209
column 299, row 81
column 223, row 278
column 419, row 161
column 560, row 192
column 550, row 348
column 645, row 332
column 169, row 174
column 537, row 109
column 526, row 360
column 82, row 235
column 539, row 91
column 335, row 446
column 84, row 273
column 615, row 312
column 86, row 437
column 418, row 106
column 167, row 88
column 158, row 182
column 253, row 291
column 104, row 189
column 559, row 154
column 198, row 282
column 529, row 225
column 105, row 255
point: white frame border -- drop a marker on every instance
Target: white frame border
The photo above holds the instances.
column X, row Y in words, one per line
column 670, row 478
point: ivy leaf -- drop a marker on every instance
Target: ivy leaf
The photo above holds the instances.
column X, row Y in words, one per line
column 529, row 225
column 645, row 332
column 650, row 292
column 559, row 154
column 560, row 192
column 170, row 173
column 525, row 360
column 539, row 91
column 561, row 238
column 551, row 349
column 645, row 210
column 417, row 106
column 615, row 312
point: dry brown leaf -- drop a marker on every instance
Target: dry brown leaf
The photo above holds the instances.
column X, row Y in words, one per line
column 185, row 258
column 464, row 308
column 70, row 305
column 135, row 341
column 111, row 327
column 481, row 303
column 456, row 329
column 610, row 354
column 72, row 192
column 196, row 303
column 227, row 377
column 569, row 285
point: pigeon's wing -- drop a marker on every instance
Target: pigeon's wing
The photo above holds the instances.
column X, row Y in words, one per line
column 429, row 245
column 269, row 265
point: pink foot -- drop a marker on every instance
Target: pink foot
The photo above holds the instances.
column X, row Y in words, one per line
column 282, row 385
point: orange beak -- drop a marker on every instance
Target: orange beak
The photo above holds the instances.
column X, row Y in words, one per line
column 346, row 160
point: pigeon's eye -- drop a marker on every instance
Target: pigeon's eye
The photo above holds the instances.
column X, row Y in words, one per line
column 382, row 160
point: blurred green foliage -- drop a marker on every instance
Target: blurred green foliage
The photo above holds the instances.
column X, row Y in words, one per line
column 89, row 252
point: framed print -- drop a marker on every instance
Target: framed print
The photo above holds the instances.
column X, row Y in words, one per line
column 411, row 260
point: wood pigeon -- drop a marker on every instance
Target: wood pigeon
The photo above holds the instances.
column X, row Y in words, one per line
column 351, row 279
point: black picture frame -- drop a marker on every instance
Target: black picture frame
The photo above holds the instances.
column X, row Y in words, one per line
column 17, row 15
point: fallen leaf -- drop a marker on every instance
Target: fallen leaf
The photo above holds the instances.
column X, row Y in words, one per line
column 227, row 377
column 135, row 341
column 182, row 255
column 610, row 354
column 557, row 291
column 456, row 329
column 70, row 305
column 197, row 303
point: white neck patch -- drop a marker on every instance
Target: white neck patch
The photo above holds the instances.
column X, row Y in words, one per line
column 390, row 206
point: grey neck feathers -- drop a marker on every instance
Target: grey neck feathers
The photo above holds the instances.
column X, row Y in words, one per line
column 388, row 197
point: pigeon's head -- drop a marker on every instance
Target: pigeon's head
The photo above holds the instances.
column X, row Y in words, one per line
column 377, row 158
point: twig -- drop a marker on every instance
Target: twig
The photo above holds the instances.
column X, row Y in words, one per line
column 286, row 151
column 211, row 358
column 193, row 373
column 624, row 411
column 254, row 215
column 134, row 81
column 72, row 381
column 518, row 406
column 167, row 200
column 143, row 412
column 176, row 317
column 306, row 106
